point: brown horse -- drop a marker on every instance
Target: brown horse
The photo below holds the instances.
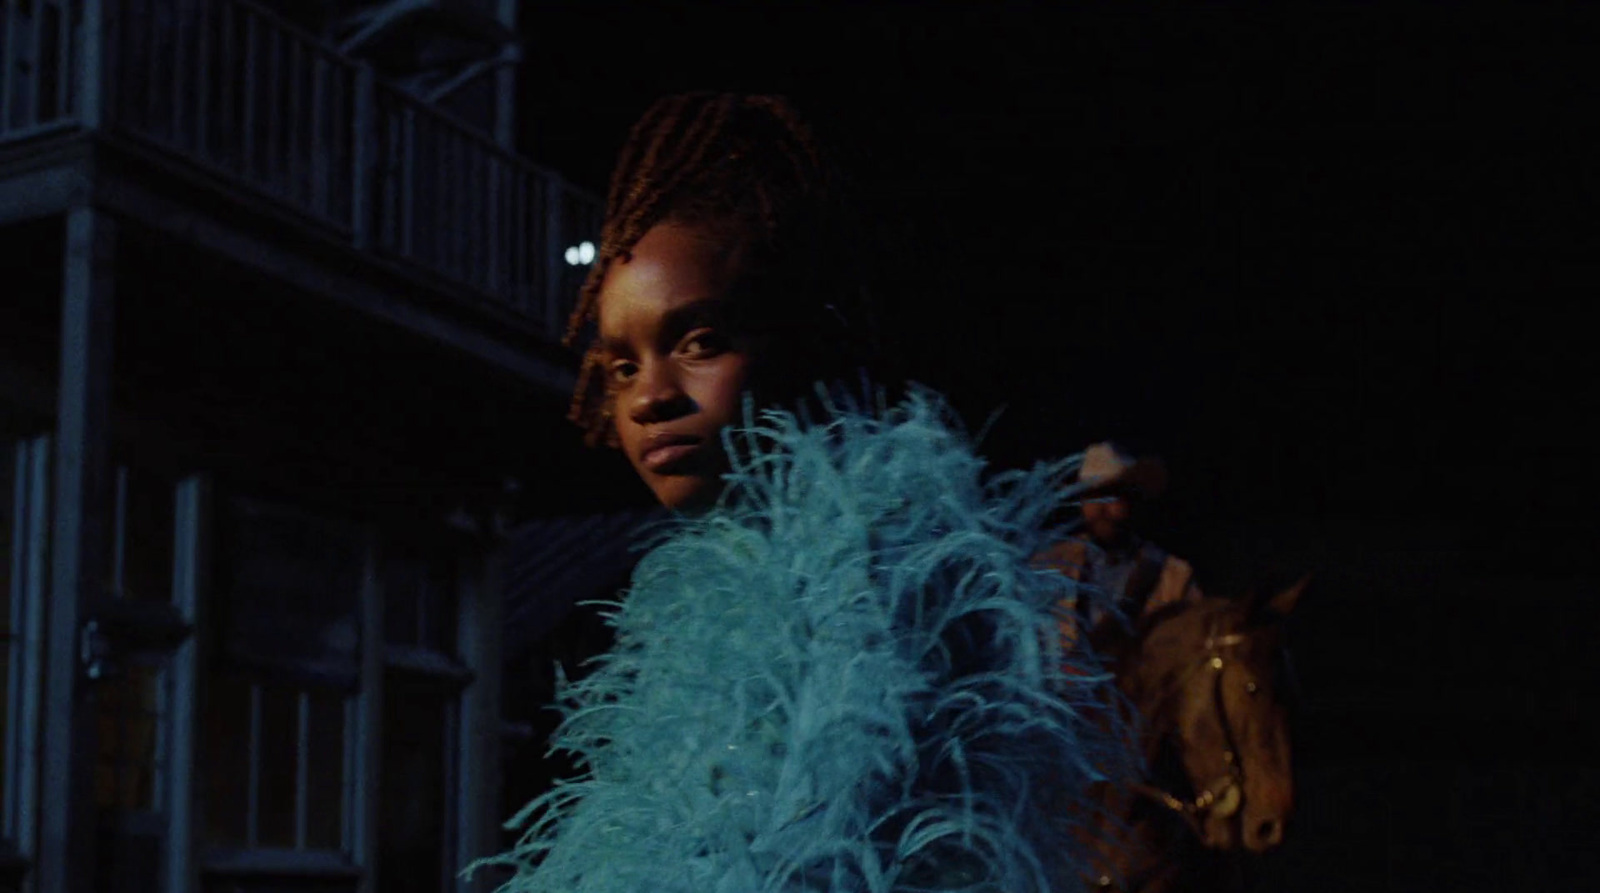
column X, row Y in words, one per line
column 1207, row 682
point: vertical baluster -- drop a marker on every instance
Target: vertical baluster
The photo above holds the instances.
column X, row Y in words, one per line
column 35, row 57
column 321, row 148
column 156, row 61
column 438, row 205
column 492, row 226
column 461, row 239
column 461, row 232
column 119, row 532
column 555, row 240
column 387, row 198
column 8, row 32
column 450, row 172
column 408, row 179
column 66, row 60
column 180, row 84
column 461, row 222
column 514, row 229
column 293, row 125
column 510, row 224
column 369, row 193
column 302, row 772
column 272, row 171
column 466, row 202
column 483, row 233
column 488, row 214
column 252, row 826
column 443, row 201
column 455, row 176
column 228, row 127
column 341, row 134
column 247, row 85
column 471, row 242
column 527, row 193
column 499, row 186
column 202, row 78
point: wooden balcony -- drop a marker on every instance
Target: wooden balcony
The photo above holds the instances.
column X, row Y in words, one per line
column 254, row 118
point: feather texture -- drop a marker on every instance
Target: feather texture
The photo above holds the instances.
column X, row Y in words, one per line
column 844, row 678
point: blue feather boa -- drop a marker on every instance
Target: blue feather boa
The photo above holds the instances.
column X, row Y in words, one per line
column 846, row 677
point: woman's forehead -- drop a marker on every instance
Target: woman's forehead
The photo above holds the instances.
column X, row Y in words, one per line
column 671, row 269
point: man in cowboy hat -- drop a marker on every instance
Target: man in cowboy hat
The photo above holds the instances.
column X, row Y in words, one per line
column 1136, row 577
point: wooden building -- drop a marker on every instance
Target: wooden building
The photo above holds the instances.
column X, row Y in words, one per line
column 278, row 320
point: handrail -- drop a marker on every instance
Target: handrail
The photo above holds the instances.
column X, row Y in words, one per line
column 232, row 88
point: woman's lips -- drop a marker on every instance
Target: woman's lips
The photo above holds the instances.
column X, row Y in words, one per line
column 669, row 455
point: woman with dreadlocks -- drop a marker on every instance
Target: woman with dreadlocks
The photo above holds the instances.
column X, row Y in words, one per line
column 835, row 669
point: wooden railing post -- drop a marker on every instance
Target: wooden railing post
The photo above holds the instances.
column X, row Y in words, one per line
column 555, row 194
column 94, row 58
column 364, row 154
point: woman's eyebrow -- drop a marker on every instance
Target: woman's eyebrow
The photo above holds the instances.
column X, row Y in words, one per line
column 708, row 311
column 674, row 324
column 612, row 345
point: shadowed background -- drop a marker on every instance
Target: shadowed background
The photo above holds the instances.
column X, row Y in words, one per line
column 1332, row 265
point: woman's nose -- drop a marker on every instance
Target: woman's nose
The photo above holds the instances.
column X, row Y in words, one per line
column 657, row 395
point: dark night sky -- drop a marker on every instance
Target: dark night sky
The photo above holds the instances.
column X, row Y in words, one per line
column 1326, row 262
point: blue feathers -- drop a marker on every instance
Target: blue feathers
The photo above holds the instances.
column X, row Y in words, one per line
column 847, row 677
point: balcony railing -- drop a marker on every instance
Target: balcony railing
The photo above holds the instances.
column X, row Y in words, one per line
column 232, row 89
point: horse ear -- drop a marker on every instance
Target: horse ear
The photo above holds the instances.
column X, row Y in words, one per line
column 1282, row 604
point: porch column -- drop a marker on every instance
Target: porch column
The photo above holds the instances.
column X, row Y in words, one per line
column 481, row 593
column 80, row 543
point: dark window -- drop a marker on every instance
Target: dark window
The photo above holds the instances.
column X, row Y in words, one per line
column 142, row 545
column 131, row 718
column 272, row 771
column 290, row 587
column 416, row 804
column 276, row 715
column 419, row 598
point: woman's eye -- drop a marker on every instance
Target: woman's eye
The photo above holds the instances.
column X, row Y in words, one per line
column 704, row 343
column 621, row 372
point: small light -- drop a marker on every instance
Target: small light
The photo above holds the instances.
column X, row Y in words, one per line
column 586, row 252
column 572, row 257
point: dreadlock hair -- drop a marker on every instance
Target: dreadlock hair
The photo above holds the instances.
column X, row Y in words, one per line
column 747, row 169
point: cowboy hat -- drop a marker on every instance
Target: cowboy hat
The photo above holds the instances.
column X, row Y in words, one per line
column 1109, row 472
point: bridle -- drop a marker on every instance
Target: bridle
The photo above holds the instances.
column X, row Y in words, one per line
column 1223, row 796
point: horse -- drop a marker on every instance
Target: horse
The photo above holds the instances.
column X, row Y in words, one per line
column 1207, row 681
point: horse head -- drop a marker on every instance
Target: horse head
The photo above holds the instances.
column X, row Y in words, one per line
column 1209, row 680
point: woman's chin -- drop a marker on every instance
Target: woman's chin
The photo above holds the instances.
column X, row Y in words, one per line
column 686, row 492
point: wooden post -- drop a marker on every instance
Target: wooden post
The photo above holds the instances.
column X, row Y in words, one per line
column 31, row 572
column 79, row 553
column 478, row 643
column 364, row 155
column 555, row 235
column 93, row 84
column 505, row 85
column 367, row 743
column 189, row 591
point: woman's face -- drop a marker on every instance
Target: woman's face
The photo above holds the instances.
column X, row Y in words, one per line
column 676, row 363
